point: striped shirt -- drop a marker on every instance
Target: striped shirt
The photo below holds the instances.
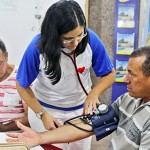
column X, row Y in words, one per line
column 11, row 104
column 133, row 132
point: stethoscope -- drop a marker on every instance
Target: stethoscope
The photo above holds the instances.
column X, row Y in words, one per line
column 73, row 59
column 102, row 109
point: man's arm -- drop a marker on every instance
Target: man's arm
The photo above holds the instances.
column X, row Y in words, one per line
column 63, row 134
column 66, row 133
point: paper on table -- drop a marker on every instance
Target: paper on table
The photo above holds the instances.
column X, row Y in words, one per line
column 3, row 137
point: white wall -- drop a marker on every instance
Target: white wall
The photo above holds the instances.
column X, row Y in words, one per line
column 18, row 24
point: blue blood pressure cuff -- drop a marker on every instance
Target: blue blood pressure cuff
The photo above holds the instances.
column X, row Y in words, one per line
column 103, row 121
column 104, row 124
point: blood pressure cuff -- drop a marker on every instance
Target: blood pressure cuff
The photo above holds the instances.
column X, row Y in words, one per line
column 105, row 124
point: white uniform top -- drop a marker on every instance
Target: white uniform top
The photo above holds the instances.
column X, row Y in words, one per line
column 68, row 91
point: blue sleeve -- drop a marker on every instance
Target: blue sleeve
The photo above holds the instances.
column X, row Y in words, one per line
column 29, row 65
column 101, row 62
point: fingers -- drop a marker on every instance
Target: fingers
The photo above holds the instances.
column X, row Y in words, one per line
column 51, row 126
column 13, row 135
column 57, row 124
column 50, row 122
column 90, row 106
column 85, row 109
column 22, row 127
column 90, row 109
column 9, row 140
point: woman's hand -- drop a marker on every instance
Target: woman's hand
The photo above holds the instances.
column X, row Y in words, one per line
column 28, row 136
column 90, row 104
column 49, row 121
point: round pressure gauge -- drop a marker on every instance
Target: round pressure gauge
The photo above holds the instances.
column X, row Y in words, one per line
column 103, row 108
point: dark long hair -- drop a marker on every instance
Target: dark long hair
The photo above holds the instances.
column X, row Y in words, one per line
column 60, row 18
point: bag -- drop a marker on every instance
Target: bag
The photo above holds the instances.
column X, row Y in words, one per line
column 105, row 124
column 13, row 146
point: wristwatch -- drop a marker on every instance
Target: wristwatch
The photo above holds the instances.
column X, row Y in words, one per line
column 39, row 114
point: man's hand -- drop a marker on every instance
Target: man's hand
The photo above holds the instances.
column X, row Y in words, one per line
column 28, row 136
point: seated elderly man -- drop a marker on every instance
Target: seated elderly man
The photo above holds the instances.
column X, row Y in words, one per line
column 132, row 109
column 12, row 107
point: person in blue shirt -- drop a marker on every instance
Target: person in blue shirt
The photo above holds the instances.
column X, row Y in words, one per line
column 60, row 58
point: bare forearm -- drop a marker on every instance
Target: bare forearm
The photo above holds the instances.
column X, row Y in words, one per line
column 103, row 84
column 11, row 126
column 65, row 134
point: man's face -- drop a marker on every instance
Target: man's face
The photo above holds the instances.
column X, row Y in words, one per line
column 138, row 85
